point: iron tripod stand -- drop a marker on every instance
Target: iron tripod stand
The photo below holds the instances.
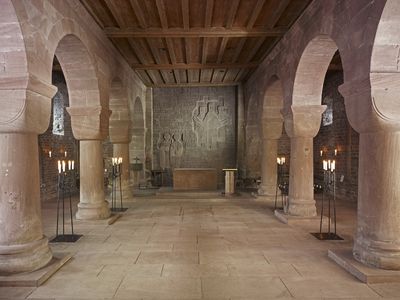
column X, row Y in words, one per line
column 279, row 186
column 329, row 189
column 65, row 180
column 116, row 176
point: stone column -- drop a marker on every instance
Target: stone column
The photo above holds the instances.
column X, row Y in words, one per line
column 122, row 150
column 120, row 136
column 89, row 125
column 23, row 247
column 377, row 119
column 271, row 131
column 302, row 125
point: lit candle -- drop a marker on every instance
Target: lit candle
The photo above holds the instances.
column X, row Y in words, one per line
column 283, row 160
column 321, row 152
column 59, row 166
column 73, row 165
column 120, row 160
column 278, row 160
column 63, row 165
column 329, row 164
column 325, row 165
column 335, row 152
column 333, row 166
column 65, row 153
column 50, row 153
column 69, row 165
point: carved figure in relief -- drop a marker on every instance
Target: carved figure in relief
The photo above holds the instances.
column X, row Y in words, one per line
column 208, row 123
column 176, row 151
column 164, row 148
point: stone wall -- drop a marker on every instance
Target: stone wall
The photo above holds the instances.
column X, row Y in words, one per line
column 194, row 128
column 56, row 143
column 338, row 135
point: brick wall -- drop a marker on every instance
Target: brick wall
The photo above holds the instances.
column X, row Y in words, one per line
column 57, row 144
column 195, row 128
column 339, row 135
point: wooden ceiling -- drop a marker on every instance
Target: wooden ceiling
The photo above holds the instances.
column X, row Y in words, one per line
column 194, row 42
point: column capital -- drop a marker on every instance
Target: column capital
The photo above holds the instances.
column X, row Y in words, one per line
column 303, row 121
column 120, row 131
column 26, row 104
column 89, row 122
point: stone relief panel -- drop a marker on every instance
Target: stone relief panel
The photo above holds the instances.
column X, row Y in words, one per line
column 194, row 128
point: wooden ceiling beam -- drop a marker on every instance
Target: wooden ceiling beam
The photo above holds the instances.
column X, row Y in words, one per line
column 193, row 32
column 232, row 13
column 194, row 84
column 209, row 13
column 137, row 9
column 281, row 6
column 162, row 13
column 192, row 66
column 221, row 50
column 254, row 15
column 185, row 13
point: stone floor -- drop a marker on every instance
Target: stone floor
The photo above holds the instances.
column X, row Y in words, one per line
column 201, row 248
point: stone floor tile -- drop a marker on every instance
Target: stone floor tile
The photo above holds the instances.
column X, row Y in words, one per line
column 15, row 293
column 247, row 288
column 195, row 270
column 387, row 290
column 168, row 257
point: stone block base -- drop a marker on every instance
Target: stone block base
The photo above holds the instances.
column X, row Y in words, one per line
column 292, row 220
column 36, row 278
column 345, row 259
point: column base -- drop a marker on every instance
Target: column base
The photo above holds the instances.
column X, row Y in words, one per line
column 88, row 211
column 345, row 259
column 38, row 277
column 24, row 258
column 302, row 208
column 388, row 259
column 313, row 221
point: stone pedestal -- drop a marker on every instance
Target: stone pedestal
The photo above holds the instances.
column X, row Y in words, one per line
column 229, row 181
column 122, row 150
column 302, row 124
column 377, row 241
column 92, row 203
column 23, row 247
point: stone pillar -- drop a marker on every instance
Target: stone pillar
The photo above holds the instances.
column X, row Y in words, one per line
column 271, row 131
column 89, row 125
column 302, row 125
column 229, row 181
column 122, row 150
column 377, row 241
column 23, row 247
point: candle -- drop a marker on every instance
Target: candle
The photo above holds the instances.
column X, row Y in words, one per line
column 59, row 166
column 120, row 160
column 69, row 165
column 283, row 160
column 329, row 164
column 321, row 152
column 73, row 165
column 335, row 152
column 333, row 166
column 278, row 160
column 63, row 165
column 50, row 153
column 325, row 165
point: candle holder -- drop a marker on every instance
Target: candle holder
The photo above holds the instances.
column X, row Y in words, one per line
column 280, row 185
column 329, row 192
column 66, row 178
column 116, row 171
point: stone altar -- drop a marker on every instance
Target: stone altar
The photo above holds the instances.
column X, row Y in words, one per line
column 195, row 179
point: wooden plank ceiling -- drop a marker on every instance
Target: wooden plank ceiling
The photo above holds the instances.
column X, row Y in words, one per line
column 194, row 42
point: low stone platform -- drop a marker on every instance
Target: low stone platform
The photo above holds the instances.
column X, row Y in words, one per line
column 345, row 259
column 37, row 278
column 189, row 194
column 109, row 221
column 291, row 220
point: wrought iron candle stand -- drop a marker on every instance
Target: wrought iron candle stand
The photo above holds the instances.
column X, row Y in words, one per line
column 116, row 177
column 329, row 192
column 66, row 178
column 279, row 184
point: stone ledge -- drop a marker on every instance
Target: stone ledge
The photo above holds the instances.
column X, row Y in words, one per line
column 36, row 278
column 345, row 259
